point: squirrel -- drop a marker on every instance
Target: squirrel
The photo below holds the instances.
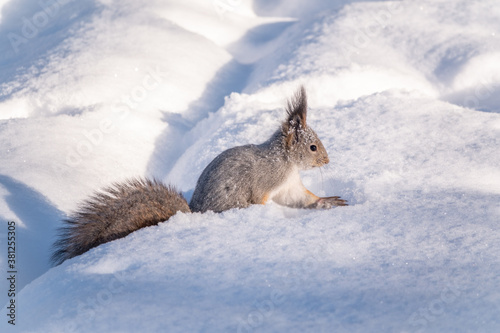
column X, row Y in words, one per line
column 237, row 178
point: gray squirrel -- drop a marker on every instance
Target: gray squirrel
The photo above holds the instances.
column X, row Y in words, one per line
column 237, row 178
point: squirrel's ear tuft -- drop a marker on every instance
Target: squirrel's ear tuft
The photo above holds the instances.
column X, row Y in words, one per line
column 296, row 110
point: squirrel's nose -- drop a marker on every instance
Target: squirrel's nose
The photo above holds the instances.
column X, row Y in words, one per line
column 326, row 160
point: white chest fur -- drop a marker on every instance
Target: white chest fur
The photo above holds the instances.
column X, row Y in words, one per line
column 292, row 192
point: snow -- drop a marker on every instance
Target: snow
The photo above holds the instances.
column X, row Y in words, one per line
column 404, row 95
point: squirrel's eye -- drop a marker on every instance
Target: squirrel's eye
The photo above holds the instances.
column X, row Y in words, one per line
column 313, row 147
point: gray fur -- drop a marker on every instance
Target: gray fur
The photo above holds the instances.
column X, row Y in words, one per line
column 237, row 178
column 242, row 176
column 116, row 212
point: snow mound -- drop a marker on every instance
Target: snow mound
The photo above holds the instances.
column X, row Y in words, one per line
column 404, row 96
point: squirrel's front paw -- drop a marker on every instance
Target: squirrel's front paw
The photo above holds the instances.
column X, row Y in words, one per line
column 328, row 202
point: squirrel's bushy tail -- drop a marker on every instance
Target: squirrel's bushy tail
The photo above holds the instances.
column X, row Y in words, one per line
column 116, row 212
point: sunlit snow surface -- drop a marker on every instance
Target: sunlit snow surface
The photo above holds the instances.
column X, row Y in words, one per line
column 404, row 95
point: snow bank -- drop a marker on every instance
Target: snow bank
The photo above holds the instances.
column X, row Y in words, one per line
column 442, row 49
column 83, row 98
column 398, row 93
